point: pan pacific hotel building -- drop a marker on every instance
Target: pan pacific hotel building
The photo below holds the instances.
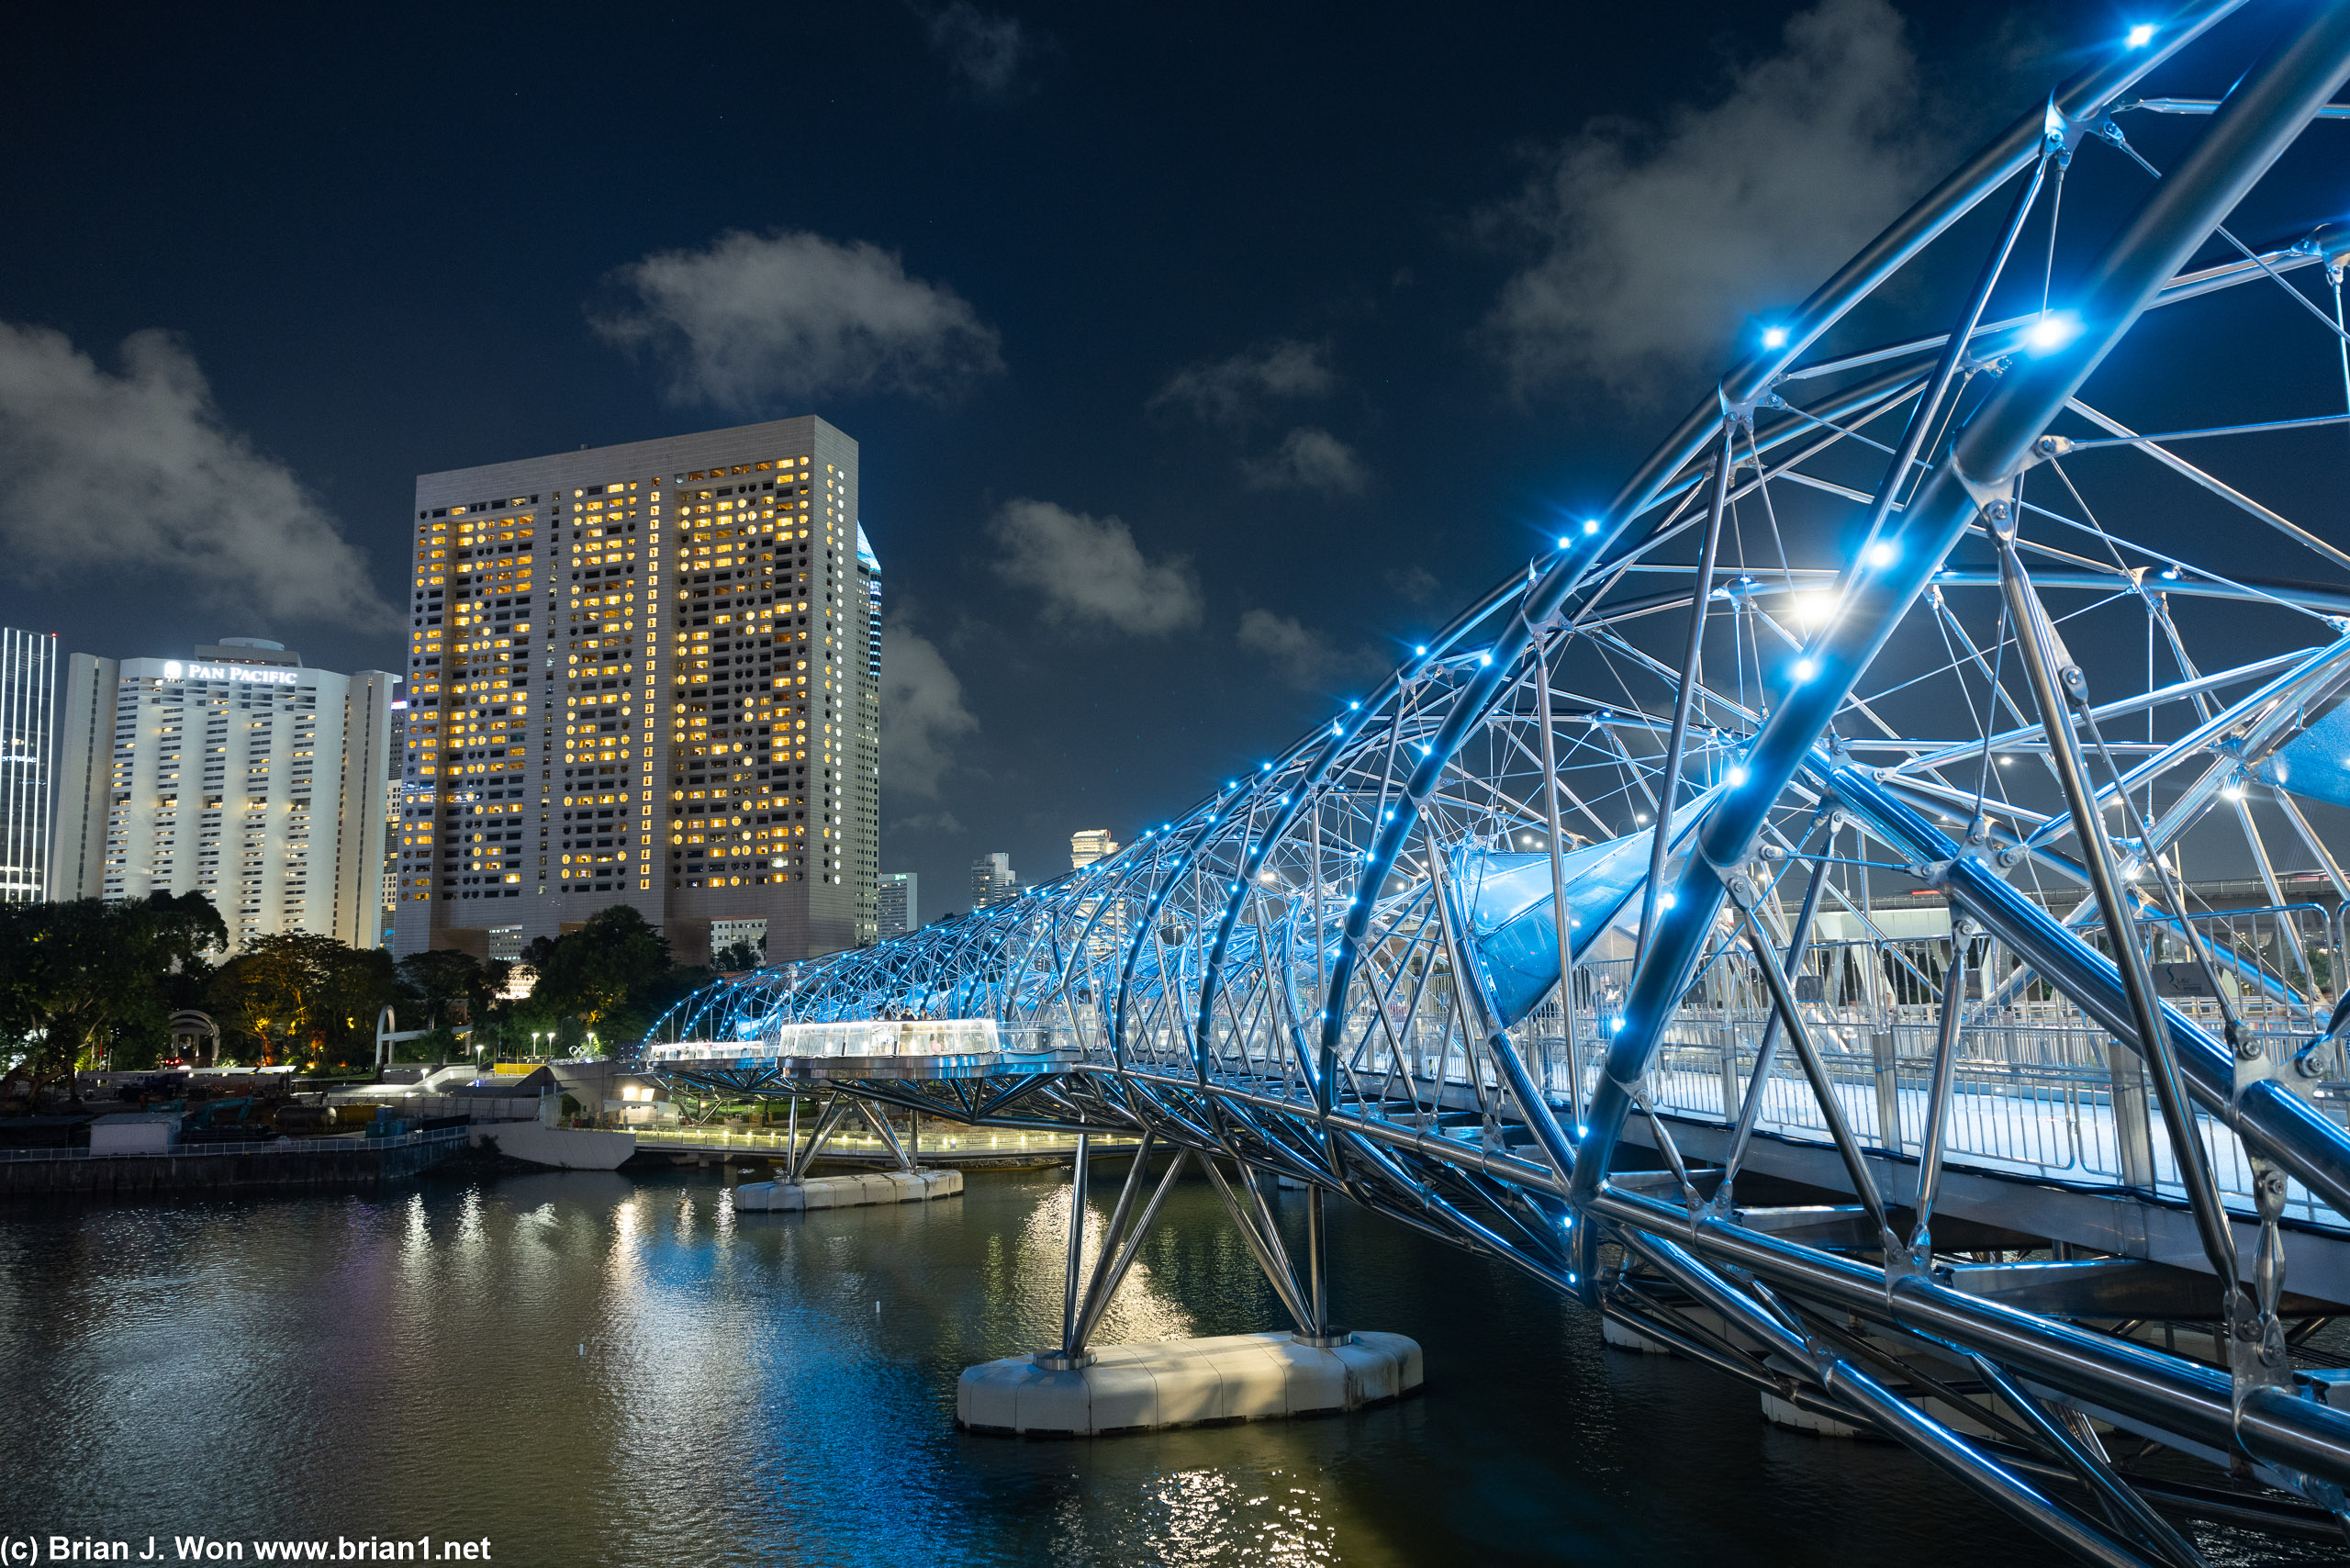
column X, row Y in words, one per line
column 645, row 675
column 240, row 774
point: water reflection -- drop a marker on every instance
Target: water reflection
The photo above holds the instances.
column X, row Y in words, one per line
column 413, row 1363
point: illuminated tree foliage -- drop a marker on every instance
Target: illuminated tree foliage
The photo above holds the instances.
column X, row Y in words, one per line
column 303, row 999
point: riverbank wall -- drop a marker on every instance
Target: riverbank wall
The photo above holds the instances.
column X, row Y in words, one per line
column 291, row 1163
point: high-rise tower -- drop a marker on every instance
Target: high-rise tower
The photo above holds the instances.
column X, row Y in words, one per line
column 865, row 853
column 238, row 774
column 28, row 737
column 640, row 677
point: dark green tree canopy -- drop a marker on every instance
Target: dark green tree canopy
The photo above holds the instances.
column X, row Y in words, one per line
column 81, row 978
column 593, row 972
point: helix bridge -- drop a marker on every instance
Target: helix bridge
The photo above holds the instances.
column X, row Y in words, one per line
column 1859, row 912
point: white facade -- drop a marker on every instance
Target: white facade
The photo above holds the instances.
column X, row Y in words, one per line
column 241, row 776
column 27, row 734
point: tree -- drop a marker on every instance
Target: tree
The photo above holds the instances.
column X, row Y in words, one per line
column 442, row 978
column 268, row 992
column 741, row 956
column 358, row 984
column 303, row 997
column 82, row 978
column 596, row 972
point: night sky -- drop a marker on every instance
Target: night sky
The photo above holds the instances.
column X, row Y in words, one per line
column 1199, row 355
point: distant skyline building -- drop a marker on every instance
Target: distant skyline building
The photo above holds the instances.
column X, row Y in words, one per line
column 1086, row 848
column 644, row 675
column 237, row 774
column 388, row 914
column 900, row 904
column 27, row 744
column 992, row 880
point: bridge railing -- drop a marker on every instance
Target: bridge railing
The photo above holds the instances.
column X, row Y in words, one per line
column 2030, row 1096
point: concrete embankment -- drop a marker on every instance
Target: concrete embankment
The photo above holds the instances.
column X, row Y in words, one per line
column 296, row 1164
column 845, row 1192
column 560, row 1148
column 1186, row 1382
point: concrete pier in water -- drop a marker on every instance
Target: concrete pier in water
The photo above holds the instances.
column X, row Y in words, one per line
column 846, row 1191
column 1186, row 1382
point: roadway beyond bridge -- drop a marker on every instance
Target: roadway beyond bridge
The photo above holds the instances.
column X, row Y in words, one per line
column 1763, row 919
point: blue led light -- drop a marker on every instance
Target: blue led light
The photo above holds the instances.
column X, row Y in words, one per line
column 2052, row 332
column 1774, row 337
column 2139, row 36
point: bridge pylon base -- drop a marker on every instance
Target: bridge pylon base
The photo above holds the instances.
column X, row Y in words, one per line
column 1186, row 1382
column 845, row 1192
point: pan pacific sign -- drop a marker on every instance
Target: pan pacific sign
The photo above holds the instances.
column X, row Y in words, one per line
column 175, row 670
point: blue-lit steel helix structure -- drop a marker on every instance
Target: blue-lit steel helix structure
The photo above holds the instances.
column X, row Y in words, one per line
column 1851, row 765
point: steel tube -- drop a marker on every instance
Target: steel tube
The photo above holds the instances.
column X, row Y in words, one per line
column 2090, row 1465
column 2271, row 1118
column 1108, row 1288
column 1275, row 1274
column 1559, row 888
column 2037, row 649
column 1930, row 1151
column 2263, row 114
column 1076, row 1248
column 2163, row 1391
column 1115, row 1228
column 1692, row 650
column 1317, row 1263
column 1824, row 1090
column 1934, row 1441
column 1766, row 1054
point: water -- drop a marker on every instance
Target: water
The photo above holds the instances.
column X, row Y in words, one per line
column 608, row 1369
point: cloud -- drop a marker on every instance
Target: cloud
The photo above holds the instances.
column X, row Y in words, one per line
column 987, row 51
column 923, row 716
column 928, row 822
column 1657, row 242
column 1234, row 392
column 140, row 472
column 1309, row 459
column 787, row 317
column 1091, row 572
column 1305, row 659
column 1413, row 584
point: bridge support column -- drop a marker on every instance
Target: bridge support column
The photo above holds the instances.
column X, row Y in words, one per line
column 1317, row 1266
column 1076, row 1391
column 1072, row 1354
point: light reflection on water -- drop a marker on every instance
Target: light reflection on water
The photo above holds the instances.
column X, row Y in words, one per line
column 414, row 1363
